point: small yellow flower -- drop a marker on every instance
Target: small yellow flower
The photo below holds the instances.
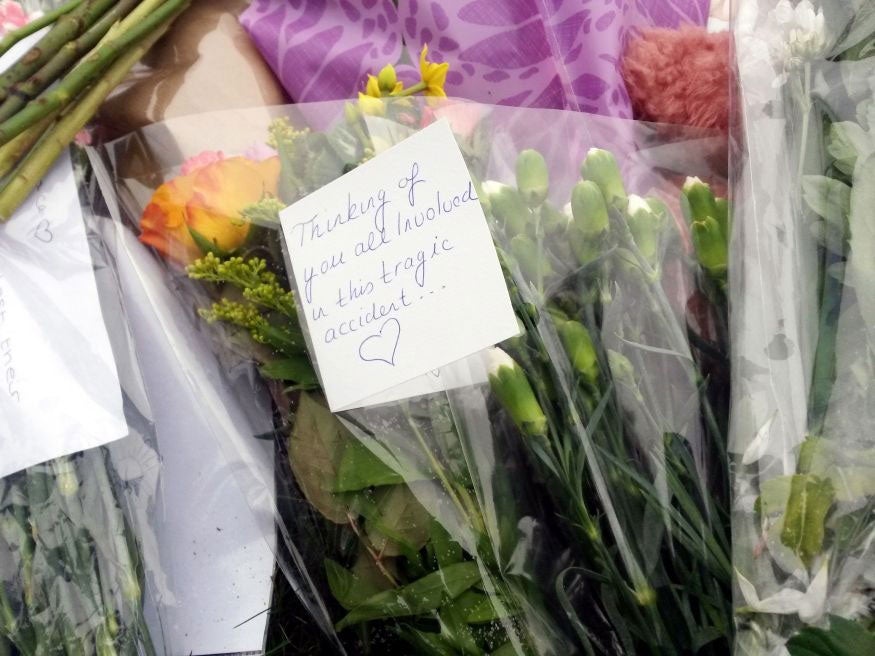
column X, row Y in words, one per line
column 434, row 76
column 384, row 84
column 388, row 80
column 370, row 105
column 372, row 88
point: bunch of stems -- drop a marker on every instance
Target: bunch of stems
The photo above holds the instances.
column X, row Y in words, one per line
column 75, row 582
column 647, row 510
column 52, row 91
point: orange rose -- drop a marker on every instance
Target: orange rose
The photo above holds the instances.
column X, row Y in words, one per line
column 204, row 207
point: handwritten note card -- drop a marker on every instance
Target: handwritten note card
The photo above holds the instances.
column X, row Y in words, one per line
column 396, row 272
column 59, row 389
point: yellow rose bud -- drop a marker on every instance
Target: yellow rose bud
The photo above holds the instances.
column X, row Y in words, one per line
column 532, row 177
column 601, row 167
column 200, row 212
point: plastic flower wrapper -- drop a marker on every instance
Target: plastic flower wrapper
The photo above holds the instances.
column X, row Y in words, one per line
column 79, row 572
column 576, row 501
column 802, row 333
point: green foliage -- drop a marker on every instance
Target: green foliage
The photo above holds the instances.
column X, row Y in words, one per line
column 843, row 638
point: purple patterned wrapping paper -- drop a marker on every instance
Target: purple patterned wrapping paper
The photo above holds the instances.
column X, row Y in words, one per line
column 562, row 54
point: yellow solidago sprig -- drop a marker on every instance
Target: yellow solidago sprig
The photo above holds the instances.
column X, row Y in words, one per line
column 258, row 285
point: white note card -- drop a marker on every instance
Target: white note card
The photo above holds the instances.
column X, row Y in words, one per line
column 59, row 388
column 396, row 272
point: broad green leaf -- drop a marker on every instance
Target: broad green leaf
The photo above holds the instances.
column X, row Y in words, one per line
column 848, row 141
column 477, row 608
column 351, row 588
column 457, row 632
column 446, row 550
column 774, row 494
column 359, row 468
column 296, row 370
column 843, row 638
column 423, row 596
column 398, row 524
column 315, row 448
column 810, row 500
column 426, row 643
column 829, row 198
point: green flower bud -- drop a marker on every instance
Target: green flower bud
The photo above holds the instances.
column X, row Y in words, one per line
column 581, row 351
column 700, row 202
column 589, row 209
column 601, row 167
column 532, row 178
column 645, row 226
column 387, row 79
column 533, row 263
column 712, row 249
column 553, row 220
column 510, row 385
column 621, row 369
column 507, row 206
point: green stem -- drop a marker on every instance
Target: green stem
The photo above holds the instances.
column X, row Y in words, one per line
column 69, row 26
column 412, row 90
column 460, row 498
column 117, row 44
column 65, row 58
column 36, row 25
column 41, row 158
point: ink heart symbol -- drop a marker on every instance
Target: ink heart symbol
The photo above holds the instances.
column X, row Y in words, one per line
column 43, row 232
column 382, row 346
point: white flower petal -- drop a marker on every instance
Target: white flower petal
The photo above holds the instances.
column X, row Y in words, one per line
column 759, row 445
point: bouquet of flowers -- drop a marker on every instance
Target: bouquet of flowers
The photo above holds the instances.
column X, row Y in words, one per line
column 803, row 333
column 77, row 558
column 578, row 500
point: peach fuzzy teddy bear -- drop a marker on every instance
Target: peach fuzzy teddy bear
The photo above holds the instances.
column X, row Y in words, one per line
column 679, row 76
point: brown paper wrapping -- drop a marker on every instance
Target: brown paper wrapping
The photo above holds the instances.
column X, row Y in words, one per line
column 205, row 63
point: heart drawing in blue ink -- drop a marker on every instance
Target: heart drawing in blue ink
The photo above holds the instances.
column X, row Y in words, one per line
column 382, row 346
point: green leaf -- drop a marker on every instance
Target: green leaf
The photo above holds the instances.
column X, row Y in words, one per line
column 359, row 469
column 477, row 608
column 829, row 198
column 351, row 588
column 207, row 245
column 398, row 524
column 847, row 141
column 774, row 494
column 810, row 500
column 426, row 643
column 446, row 550
column 457, row 632
column 844, row 638
column 297, row 370
column 861, row 262
column 423, row 596
column 315, row 448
